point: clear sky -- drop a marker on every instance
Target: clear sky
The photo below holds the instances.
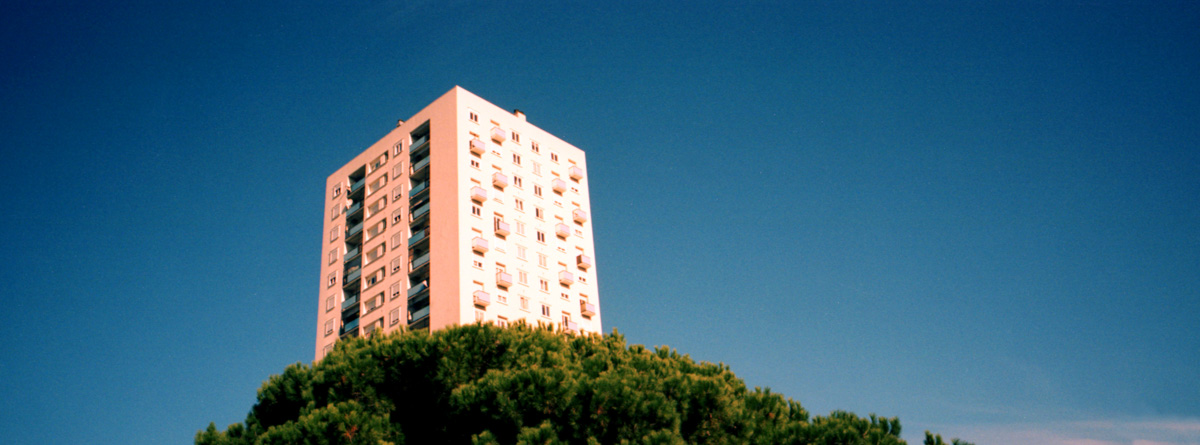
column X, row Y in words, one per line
column 981, row 217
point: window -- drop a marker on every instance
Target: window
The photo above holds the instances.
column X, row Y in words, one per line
column 393, row 317
column 396, row 239
column 337, row 191
column 376, row 185
column 517, row 181
column 397, row 193
column 330, row 302
column 546, row 310
column 522, row 277
column 539, row 213
column 473, row 116
column 516, row 137
column 396, row 265
column 566, row 319
column 502, row 299
column 398, row 169
column 544, row 284
column 537, row 190
column 541, row 236
column 479, row 315
column 398, row 148
column 332, row 279
column 335, row 211
column 475, row 210
column 376, row 206
column 328, row 328
column 333, row 234
column 378, row 162
column 537, row 169
column 516, row 159
column 475, row 164
column 520, row 227
column 373, row 303
column 565, row 296
column 333, row 256
column 376, row 230
column 477, row 264
column 397, row 217
column 375, row 277
column 534, row 146
column 542, row 259
column 524, row 303
column 520, row 252
column 394, row 291
column 327, row 350
column 502, row 322
column 519, row 204
column 554, row 157
column 375, row 253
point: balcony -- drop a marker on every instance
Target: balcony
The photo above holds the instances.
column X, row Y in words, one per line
column 357, row 185
column 418, row 263
column 353, row 209
column 478, row 147
column 420, row 287
column 417, row 237
column 418, row 315
column 566, row 278
column 479, row 244
column 353, row 276
column 478, row 194
column 571, row 326
column 499, row 180
column 558, row 185
column 418, row 189
column 349, row 329
column 502, row 228
column 587, row 309
column 420, row 165
column 355, row 230
column 504, row 279
column 575, row 172
column 562, row 230
column 499, row 135
column 417, row 143
column 352, row 254
column 579, row 215
column 419, row 213
column 584, row 262
column 482, row 298
column 351, row 302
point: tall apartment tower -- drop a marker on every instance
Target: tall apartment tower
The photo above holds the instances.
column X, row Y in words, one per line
column 463, row 213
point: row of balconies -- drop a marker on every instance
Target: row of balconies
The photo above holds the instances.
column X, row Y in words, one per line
column 499, row 136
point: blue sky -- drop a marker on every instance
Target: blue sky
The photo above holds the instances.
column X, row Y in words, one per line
column 981, row 217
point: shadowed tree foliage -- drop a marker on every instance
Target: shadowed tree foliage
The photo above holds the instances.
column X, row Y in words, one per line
column 482, row 384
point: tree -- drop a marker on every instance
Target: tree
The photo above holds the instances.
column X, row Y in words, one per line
column 481, row 384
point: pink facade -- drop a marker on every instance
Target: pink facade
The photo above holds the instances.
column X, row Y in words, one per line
column 463, row 213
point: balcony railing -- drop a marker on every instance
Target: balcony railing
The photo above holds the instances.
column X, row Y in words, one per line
column 357, row 185
column 350, row 277
column 562, row 230
column 419, row 262
column 350, row 211
column 420, row 287
column 351, row 301
column 482, row 298
column 419, row 212
column 571, row 326
column 587, row 309
column 499, row 135
column 420, row 165
column 566, row 278
column 417, row 237
column 478, row 194
column 479, row 244
column 575, row 172
column 502, row 228
column 584, row 261
column 354, row 230
column 417, row 143
column 503, row 279
column 558, row 185
column 499, row 180
column 417, row 189
column 352, row 254
column 579, row 215
column 350, row 328
column 419, row 314
column 478, row 147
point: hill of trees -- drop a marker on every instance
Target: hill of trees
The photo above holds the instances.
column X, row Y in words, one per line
column 481, row 384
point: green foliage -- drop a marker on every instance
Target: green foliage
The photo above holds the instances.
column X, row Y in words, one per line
column 485, row 385
column 931, row 439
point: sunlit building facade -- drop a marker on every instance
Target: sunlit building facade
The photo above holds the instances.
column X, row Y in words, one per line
column 463, row 213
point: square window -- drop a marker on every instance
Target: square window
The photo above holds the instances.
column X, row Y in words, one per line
column 475, row 164
column 328, row 328
column 333, row 234
column 332, row 279
column 333, row 256
column 395, row 265
column 330, row 301
column 393, row 317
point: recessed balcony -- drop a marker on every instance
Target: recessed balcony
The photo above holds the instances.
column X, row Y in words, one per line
column 478, row 194
column 353, row 209
column 584, row 262
column 349, row 329
column 419, row 262
column 558, row 185
column 502, row 228
column 418, row 288
column 478, row 146
column 499, row 135
column 587, row 309
column 504, row 279
column 579, row 215
column 499, row 180
column 417, row 237
column 418, row 189
column 479, row 244
column 419, row 212
column 420, row 165
column 481, row 298
column 357, row 185
column 418, row 143
column 418, row 315
column 566, row 278
column 562, row 230
column 575, row 172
